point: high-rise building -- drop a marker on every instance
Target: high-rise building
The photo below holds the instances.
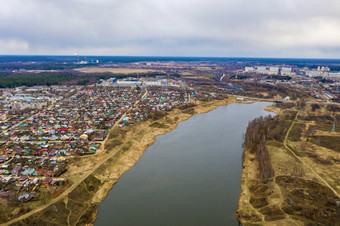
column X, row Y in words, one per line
column 273, row 70
column 262, row 70
column 286, row 71
column 315, row 73
column 249, row 70
column 334, row 74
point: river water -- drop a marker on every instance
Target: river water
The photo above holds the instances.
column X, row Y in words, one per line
column 190, row 176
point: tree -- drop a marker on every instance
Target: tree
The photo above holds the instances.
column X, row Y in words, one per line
column 315, row 107
column 255, row 140
column 310, row 131
column 300, row 105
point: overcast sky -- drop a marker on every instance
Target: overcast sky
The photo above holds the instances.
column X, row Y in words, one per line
column 235, row 28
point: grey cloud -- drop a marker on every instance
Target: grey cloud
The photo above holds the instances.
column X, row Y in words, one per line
column 290, row 28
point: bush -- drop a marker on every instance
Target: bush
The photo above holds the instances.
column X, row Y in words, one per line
column 113, row 143
column 157, row 115
column 158, row 125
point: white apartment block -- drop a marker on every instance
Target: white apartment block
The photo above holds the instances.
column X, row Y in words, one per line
column 286, row 71
column 262, row 70
column 315, row 73
column 334, row 74
column 128, row 82
column 249, row 70
column 273, row 70
column 152, row 83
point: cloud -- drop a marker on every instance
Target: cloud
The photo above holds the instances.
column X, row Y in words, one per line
column 267, row 28
column 13, row 45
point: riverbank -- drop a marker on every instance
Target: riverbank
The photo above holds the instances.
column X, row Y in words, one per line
column 124, row 148
column 301, row 191
column 166, row 183
column 145, row 135
column 273, row 109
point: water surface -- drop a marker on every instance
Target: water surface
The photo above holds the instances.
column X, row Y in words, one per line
column 190, row 176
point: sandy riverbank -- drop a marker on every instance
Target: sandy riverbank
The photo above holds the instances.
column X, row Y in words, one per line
column 145, row 136
column 272, row 108
column 94, row 176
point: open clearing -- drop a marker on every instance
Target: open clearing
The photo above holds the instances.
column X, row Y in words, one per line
column 305, row 187
column 115, row 70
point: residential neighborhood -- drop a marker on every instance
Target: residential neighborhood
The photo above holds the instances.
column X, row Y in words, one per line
column 43, row 127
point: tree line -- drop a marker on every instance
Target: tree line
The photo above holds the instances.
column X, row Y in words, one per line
column 256, row 136
column 8, row 80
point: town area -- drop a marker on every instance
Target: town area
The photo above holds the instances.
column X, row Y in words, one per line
column 67, row 135
column 43, row 127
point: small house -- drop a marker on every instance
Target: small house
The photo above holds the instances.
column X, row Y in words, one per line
column 17, row 170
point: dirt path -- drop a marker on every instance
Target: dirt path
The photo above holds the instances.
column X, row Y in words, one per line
column 68, row 191
column 23, row 121
column 8, row 161
column 65, row 193
column 120, row 119
column 298, row 158
column 68, row 216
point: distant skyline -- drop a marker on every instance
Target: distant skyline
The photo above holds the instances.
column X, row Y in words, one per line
column 214, row 28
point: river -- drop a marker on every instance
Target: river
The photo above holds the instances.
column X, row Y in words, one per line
column 190, row 176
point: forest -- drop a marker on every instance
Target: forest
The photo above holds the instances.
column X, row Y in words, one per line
column 11, row 81
column 8, row 80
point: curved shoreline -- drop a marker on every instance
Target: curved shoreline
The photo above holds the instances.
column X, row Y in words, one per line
column 117, row 161
column 80, row 205
column 199, row 109
column 248, row 173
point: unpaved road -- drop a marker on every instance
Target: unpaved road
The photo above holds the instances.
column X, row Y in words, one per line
column 70, row 189
column 298, row 158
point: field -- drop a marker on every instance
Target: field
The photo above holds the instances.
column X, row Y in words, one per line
column 115, row 70
column 305, row 187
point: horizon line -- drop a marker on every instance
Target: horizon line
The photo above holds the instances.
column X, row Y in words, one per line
column 163, row 56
